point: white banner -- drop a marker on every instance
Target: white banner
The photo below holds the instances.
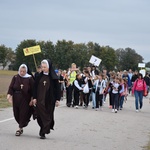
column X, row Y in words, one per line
column 95, row 60
column 141, row 65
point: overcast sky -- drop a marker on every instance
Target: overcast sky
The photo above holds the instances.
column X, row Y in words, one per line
column 117, row 23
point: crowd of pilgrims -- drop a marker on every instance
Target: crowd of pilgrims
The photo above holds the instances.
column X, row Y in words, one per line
column 39, row 94
column 93, row 85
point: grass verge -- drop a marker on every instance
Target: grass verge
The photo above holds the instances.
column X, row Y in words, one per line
column 7, row 72
column 3, row 102
column 147, row 147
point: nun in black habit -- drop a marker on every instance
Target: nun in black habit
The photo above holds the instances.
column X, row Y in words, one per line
column 46, row 96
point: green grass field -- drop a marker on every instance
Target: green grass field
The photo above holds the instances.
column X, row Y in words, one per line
column 5, row 79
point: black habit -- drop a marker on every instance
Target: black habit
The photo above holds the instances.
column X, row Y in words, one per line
column 46, row 91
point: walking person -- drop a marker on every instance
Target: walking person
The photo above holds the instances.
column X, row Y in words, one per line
column 77, row 89
column 147, row 80
column 109, row 89
column 128, row 79
column 100, row 88
column 134, row 77
column 94, row 92
column 20, row 95
column 115, row 95
column 68, row 90
column 87, row 88
column 46, row 96
column 138, row 89
column 72, row 72
column 123, row 92
column 94, row 71
column 61, row 82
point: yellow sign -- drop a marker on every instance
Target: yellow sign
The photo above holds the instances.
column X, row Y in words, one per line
column 32, row 50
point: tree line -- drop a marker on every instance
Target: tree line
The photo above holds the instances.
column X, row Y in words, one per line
column 63, row 53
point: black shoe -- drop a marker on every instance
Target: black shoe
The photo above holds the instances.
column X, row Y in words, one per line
column 40, row 132
column 81, row 104
column 68, row 105
column 43, row 136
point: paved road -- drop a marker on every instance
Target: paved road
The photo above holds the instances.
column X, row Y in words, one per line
column 80, row 129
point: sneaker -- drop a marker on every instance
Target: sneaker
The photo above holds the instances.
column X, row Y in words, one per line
column 76, row 107
column 115, row 110
column 137, row 110
column 85, row 107
column 96, row 109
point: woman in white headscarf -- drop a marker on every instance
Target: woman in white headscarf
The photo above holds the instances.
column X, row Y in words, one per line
column 20, row 95
column 46, row 96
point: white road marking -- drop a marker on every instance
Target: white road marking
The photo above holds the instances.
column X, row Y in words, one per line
column 13, row 117
column 6, row 120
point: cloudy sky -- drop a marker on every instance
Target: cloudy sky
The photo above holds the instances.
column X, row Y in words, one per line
column 117, row 23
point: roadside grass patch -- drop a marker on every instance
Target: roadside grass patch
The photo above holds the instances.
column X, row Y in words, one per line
column 147, row 147
column 3, row 101
column 7, row 72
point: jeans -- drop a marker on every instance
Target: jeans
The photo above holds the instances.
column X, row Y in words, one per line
column 104, row 97
column 138, row 99
column 94, row 100
column 121, row 101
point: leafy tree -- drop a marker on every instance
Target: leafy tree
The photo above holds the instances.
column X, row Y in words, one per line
column 63, row 54
column 148, row 64
column 109, row 58
column 80, row 56
column 20, row 58
column 6, row 56
column 119, row 54
column 47, row 51
column 94, row 49
column 128, row 59
column 97, row 50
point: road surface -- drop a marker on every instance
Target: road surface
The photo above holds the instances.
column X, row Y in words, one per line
column 80, row 129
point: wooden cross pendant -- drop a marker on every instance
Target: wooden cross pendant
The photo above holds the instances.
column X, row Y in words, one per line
column 44, row 82
column 21, row 86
